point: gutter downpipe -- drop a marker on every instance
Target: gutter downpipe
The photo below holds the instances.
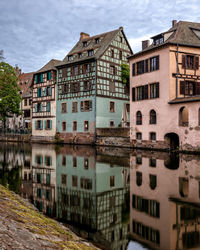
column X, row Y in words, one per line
column 95, row 103
column 177, row 69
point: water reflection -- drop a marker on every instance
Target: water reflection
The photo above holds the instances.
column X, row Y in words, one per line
column 101, row 191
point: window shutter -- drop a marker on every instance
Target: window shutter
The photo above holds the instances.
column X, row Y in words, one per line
column 90, row 103
column 81, row 105
column 45, row 91
column 196, row 62
column 41, row 160
column 183, row 61
column 41, row 92
column 41, row 107
column 133, row 94
column 41, row 124
column 197, row 88
column 41, row 78
column 50, row 91
column 133, row 69
column 36, row 79
column 38, row 92
column 35, row 125
column 45, row 124
column 157, row 62
column 146, row 91
column 50, row 124
column 50, row 75
column 157, row 89
column 182, row 87
column 35, row 107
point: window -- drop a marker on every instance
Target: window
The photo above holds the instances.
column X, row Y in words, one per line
column 39, row 159
column 86, row 163
column 75, row 70
column 154, row 63
column 25, row 102
column 158, row 40
column 86, row 125
column 86, row 106
column 96, row 40
column 139, row 136
column 48, row 75
column 48, row 179
column 190, row 62
column 87, row 85
column 64, row 126
column 112, row 124
column 120, row 39
column 63, row 160
column 153, row 136
column 152, row 181
column 138, row 118
column 146, row 66
column 38, row 125
column 27, row 113
column 152, row 162
column 48, row 124
column 39, row 92
column 48, row 106
column 112, row 70
column 84, row 44
column 86, row 184
column 140, row 67
column 120, row 55
column 112, row 53
column 48, row 195
column 142, row 92
column 65, row 88
column 183, row 117
column 86, row 68
column 48, row 91
column 74, row 107
column 128, row 107
column 154, row 90
column 189, row 88
column 138, row 178
column 48, row 160
column 112, row 181
column 79, row 55
column 39, row 178
column 74, row 126
column 133, row 69
column 112, row 87
column 38, row 107
column 30, row 101
column 64, row 179
column 74, row 161
column 90, row 52
column 152, row 117
column 70, row 58
column 64, row 107
column 74, row 181
column 39, row 193
column 75, row 87
column 112, row 107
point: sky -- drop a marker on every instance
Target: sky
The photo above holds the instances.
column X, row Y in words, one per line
column 35, row 31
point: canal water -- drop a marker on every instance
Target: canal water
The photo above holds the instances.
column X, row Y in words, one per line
column 118, row 198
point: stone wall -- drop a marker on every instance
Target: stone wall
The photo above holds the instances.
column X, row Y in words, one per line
column 76, row 138
column 113, row 132
column 15, row 137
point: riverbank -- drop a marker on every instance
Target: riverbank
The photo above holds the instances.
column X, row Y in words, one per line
column 23, row 227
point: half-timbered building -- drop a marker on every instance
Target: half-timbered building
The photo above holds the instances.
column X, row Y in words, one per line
column 165, row 89
column 90, row 90
column 44, row 103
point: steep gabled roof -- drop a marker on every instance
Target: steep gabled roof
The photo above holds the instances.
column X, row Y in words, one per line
column 25, row 82
column 49, row 66
column 104, row 41
column 182, row 33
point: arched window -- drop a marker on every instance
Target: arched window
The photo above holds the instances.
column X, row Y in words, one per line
column 183, row 117
column 138, row 118
column 152, row 117
column 152, row 181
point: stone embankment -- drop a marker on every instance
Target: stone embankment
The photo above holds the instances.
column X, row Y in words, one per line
column 23, row 227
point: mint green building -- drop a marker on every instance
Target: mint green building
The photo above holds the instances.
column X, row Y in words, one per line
column 90, row 92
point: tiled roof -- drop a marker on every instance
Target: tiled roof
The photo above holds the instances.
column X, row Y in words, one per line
column 104, row 41
column 185, row 99
column 49, row 66
column 182, row 33
column 25, row 82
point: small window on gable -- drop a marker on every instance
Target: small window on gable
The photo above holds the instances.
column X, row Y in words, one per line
column 70, row 58
column 96, row 40
column 84, row 44
column 112, row 53
column 121, row 39
column 90, row 52
column 79, row 55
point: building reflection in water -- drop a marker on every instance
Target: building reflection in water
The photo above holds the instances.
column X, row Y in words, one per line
column 164, row 200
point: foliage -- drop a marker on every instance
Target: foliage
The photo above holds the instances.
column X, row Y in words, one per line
column 125, row 73
column 9, row 92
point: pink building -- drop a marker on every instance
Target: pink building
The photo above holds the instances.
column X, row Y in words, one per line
column 165, row 90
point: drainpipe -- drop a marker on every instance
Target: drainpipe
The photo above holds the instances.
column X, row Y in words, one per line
column 177, row 71
column 95, row 104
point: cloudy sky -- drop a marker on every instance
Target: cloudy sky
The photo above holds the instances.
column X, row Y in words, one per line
column 35, row 31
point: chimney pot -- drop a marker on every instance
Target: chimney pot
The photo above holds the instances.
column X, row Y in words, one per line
column 174, row 22
column 84, row 35
column 145, row 44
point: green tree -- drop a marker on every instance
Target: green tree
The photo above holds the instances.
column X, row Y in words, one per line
column 9, row 92
column 125, row 73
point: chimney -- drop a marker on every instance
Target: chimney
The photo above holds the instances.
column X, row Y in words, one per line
column 84, row 36
column 174, row 22
column 145, row 44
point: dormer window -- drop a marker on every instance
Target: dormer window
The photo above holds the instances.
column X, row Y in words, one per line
column 97, row 40
column 84, row 44
column 79, row 55
column 158, row 40
column 70, row 58
column 90, row 52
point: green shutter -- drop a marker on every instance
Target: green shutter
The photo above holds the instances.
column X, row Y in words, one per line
column 50, row 75
column 35, row 107
column 50, row 91
column 41, row 125
column 45, row 91
column 41, row 92
column 45, row 124
column 48, row 106
column 41, row 78
column 50, row 124
column 35, row 158
column 35, row 125
column 38, row 92
column 36, row 79
column 41, row 107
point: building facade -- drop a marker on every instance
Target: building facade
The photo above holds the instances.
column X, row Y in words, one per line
column 44, row 103
column 165, row 93
column 90, row 90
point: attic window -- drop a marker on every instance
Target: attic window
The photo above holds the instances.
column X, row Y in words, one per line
column 196, row 32
column 158, row 40
column 90, row 52
column 70, row 58
column 121, row 39
column 97, row 40
column 79, row 55
column 84, row 44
